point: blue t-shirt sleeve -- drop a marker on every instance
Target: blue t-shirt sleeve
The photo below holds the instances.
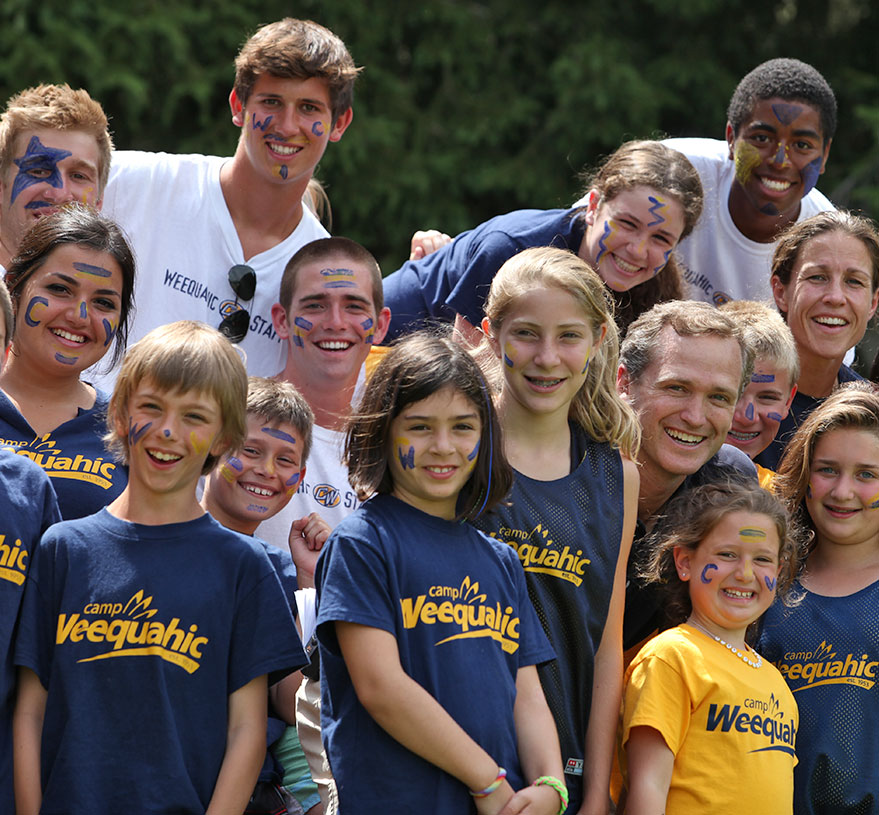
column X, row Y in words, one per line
column 353, row 585
column 264, row 639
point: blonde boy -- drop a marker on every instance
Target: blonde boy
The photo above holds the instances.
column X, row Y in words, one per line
column 767, row 398
column 148, row 629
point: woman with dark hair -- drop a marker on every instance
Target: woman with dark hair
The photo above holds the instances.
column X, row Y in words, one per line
column 825, row 279
column 71, row 286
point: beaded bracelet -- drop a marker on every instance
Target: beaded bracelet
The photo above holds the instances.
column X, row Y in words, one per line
column 558, row 786
column 501, row 775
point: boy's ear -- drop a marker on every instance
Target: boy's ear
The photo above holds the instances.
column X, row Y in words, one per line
column 622, row 381
column 682, row 562
column 237, row 109
column 341, row 124
column 382, row 321
column 790, row 399
column 730, row 140
column 279, row 321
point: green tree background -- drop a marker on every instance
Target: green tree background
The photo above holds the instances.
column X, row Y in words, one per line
column 466, row 108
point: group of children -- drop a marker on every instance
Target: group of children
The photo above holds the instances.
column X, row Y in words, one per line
column 469, row 618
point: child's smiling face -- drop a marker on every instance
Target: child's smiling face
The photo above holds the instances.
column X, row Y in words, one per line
column 732, row 573
column 257, row 481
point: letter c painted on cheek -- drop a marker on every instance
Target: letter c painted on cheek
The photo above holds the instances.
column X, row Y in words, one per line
column 704, row 576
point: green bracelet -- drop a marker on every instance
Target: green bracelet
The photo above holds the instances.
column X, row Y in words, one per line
column 558, row 786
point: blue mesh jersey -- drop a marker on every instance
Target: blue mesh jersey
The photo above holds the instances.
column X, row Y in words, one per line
column 827, row 648
column 567, row 534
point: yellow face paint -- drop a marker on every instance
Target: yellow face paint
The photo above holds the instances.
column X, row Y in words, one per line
column 747, row 159
column 749, row 533
column 200, row 446
column 509, row 355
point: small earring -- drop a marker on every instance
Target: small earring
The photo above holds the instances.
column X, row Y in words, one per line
column 684, row 574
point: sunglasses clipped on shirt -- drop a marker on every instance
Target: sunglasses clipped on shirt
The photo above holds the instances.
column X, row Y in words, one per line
column 242, row 279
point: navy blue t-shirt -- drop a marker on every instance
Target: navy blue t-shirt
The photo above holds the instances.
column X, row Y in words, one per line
column 85, row 476
column 28, row 509
column 456, row 279
column 140, row 634
column 457, row 604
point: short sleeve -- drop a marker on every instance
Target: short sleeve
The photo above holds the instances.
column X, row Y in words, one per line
column 656, row 696
column 467, row 297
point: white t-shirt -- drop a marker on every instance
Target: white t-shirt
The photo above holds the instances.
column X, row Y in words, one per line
column 325, row 488
column 173, row 211
column 718, row 262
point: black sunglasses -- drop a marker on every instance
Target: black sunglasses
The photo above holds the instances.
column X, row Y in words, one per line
column 242, row 279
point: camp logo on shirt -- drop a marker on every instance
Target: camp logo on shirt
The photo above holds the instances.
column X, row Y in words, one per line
column 537, row 553
column 822, row 666
column 129, row 631
column 43, row 451
column 13, row 561
column 463, row 606
column 760, row 717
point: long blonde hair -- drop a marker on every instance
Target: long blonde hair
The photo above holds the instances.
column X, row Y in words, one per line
column 597, row 407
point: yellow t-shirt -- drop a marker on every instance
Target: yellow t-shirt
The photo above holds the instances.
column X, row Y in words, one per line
column 765, row 477
column 731, row 727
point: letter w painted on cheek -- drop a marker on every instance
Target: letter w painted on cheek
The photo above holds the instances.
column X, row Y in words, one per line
column 135, row 433
column 407, row 457
column 770, row 582
column 199, row 445
column 704, row 576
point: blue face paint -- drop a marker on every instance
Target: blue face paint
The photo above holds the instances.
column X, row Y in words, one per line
column 135, row 433
column 293, row 480
column 256, row 508
column 166, row 433
column 407, row 458
column 776, row 417
column 769, row 209
column 260, row 125
column 109, row 331
column 808, row 490
column 785, row 112
column 235, row 463
column 278, row 434
column 708, row 568
column 366, row 324
column 770, row 582
column 304, row 325
column 749, row 412
column 338, row 278
column 83, row 311
column 282, row 171
column 62, row 358
column 318, row 129
column 810, row 174
column 602, row 246
column 87, row 268
column 35, row 301
column 37, row 205
column 781, row 155
column 38, row 157
column 762, row 377
column 474, row 452
column 654, row 210
column 665, row 258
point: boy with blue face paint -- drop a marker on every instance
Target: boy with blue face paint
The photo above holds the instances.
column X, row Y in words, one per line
column 780, row 123
column 54, row 149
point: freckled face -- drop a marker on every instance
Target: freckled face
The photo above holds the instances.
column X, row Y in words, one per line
column 830, row 298
column 732, row 573
column 630, row 237
column 50, row 168
column 433, row 449
column 761, row 409
column 259, row 480
column 843, row 495
column 68, row 312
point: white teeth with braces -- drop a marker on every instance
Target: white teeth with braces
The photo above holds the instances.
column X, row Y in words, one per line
column 60, row 332
column 686, row 438
column 259, row 491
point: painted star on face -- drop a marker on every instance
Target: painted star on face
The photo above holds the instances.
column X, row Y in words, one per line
column 38, row 157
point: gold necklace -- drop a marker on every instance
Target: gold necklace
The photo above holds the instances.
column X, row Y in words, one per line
column 740, row 654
